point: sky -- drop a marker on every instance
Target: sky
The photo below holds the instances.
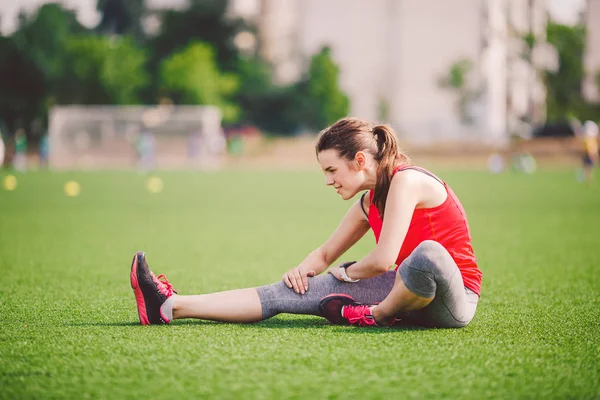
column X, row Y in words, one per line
column 564, row 11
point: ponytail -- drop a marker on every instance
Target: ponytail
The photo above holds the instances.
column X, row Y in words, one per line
column 389, row 157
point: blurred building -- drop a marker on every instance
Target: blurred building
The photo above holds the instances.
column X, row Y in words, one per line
column 591, row 60
column 394, row 54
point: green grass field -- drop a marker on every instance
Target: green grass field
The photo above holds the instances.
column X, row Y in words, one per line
column 69, row 327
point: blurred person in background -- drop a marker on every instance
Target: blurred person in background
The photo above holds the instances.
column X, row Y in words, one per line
column 589, row 141
column 2, row 150
column 44, row 151
column 145, row 149
column 194, row 144
column 418, row 222
column 576, row 126
column 20, row 157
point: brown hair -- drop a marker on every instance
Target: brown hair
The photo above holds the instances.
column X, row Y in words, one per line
column 350, row 135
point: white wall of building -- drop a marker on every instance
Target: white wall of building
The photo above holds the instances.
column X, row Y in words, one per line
column 357, row 33
column 431, row 36
column 397, row 51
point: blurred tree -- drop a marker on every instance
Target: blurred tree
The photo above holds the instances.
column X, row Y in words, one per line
column 121, row 17
column 457, row 75
column 457, row 80
column 322, row 102
column 203, row 20
column 123, row 74
column 314, row 102
column 105, row 70
column 42, row 38
column 530, row 41
column 22, row 90
column 191, row 76
column 270, row 108
column 563, row 87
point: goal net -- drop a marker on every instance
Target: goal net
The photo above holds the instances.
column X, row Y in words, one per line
column 144, row 137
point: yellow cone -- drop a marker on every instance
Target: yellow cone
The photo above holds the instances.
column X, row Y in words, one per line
column 154, row 184
column 72, row 189
column 9, row 183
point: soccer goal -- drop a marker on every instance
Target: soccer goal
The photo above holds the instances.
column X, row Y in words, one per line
column 144, row 137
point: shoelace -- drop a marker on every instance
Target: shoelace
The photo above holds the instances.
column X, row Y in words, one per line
column 163, row 286
column 360, row 314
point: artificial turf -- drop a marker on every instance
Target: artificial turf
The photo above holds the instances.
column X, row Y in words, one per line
column 69, row 327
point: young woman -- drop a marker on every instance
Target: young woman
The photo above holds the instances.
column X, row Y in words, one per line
column 418, row 223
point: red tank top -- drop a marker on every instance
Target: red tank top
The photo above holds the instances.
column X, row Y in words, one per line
column 446, row 224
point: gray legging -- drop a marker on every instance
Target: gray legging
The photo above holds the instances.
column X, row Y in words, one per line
column 429, row 271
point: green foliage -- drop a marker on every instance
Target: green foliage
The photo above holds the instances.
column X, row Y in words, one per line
column 323, row 99
column 457, row 80
column 255, row 77
column 204, row 21
column 271, row 108
column 22, row 90
column 121, row 17
column 43, row 37
column 564, row 98
column 123, row 74
column 530, row 41
column 192, row 77
column 193, row 59
column 38, row 68
column 106, row 70
column 314, row 102
column 75, row 67
column 457, row 75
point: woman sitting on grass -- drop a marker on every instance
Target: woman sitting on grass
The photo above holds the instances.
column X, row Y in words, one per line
column 418, row 222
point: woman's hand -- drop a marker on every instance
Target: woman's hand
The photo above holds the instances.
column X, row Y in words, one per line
column 335, row 271
column 297, row 279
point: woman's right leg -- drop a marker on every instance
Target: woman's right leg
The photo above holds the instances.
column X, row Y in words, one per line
column 158, row 304
column 241, row 306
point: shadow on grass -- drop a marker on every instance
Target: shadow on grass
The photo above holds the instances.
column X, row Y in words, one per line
column 308, row 322
column 102, row 324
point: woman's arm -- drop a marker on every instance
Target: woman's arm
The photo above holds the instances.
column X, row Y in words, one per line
column 406, row 192
column 352, row 227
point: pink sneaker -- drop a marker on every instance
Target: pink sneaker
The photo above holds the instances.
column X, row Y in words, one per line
column 150, row 292
column 341, row 309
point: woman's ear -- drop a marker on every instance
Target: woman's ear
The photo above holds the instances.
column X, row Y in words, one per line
column 361, row 159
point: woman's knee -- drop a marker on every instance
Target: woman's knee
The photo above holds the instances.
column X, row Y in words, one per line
column 420, row 270
column 431, row 254
column 418, row 281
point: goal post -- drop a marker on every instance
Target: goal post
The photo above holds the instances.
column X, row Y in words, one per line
column 144, row 137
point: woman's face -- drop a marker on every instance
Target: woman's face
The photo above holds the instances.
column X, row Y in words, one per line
column 345, row 176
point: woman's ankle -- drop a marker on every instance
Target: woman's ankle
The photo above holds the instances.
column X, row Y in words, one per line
column 381, row 317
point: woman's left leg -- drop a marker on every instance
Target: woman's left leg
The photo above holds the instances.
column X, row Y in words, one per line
column 429, row 291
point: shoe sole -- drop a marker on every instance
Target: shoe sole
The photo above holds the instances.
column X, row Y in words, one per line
column 139, row 297
column 330, row 307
